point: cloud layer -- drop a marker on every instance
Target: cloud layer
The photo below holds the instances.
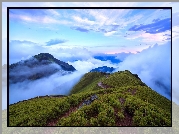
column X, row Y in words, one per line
column 157, row 26
column 175, row 72
column 61, row 52
column 113, row 22
column 55, row 84
column 55, row 41
column 153, row 65
column 146, row 29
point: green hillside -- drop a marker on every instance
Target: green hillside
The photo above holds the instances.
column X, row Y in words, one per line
column 88, row 82
column 121, row 99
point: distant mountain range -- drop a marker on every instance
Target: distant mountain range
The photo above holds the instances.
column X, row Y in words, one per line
column 103, row 69
column 107, row 57
column 36, row 67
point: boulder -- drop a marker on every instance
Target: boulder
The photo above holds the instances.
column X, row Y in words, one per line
column 89, row 101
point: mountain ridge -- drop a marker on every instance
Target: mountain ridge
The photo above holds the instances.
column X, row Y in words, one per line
column 36, row 67
column 127, row 101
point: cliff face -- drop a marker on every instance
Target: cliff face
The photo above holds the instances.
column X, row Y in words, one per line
column 98, row 99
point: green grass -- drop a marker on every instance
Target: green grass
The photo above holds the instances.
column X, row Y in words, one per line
column 101, row 112
column 88, row 82
column 122, row 79
column 146, row 107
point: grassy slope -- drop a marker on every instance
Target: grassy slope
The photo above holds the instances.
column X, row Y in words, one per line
column 144, row 107
column 88, row 82
column 147, row 130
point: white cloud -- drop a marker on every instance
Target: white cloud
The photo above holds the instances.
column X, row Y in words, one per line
column 159, row 38
column 175, row 71
column 64, row 53
column 53, row 85
column 39, row 19
column 49, row 20
column 152, row 65
column 108, row 17
column 83, row 21
column 109, row 33
column 123, row 56
column 175, row 32
column 103, row 19
column 16, row 54
column 134, row 20
column 53, row 12
column 174, row 5
column 91, row 63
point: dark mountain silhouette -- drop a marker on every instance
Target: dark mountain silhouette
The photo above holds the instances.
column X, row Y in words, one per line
column 48, row 57
column 104, row 69
column 107, row 57
column 36, row 67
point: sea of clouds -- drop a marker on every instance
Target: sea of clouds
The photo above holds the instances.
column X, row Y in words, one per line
column 57, row 83
column 153, row 65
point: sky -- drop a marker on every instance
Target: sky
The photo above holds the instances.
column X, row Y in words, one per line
column 75, row 37
column 107, row 31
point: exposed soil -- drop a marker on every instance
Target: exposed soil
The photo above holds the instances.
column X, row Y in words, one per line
column 53, row 122
column 122, row 100
column 100, row 84
column 133, row 91
column 127, row 121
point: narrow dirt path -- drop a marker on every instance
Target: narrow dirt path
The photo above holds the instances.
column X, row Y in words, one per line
column 53, row 122
column 100, row 84
column 127, row 121
column 133, row 91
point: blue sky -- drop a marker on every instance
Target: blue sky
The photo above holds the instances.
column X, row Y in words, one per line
column 98, row 30
column 76, row 29
column 76, row 35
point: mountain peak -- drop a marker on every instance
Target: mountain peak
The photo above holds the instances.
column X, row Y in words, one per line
column 44, row 56
column 48, row 57
column 39, row 66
